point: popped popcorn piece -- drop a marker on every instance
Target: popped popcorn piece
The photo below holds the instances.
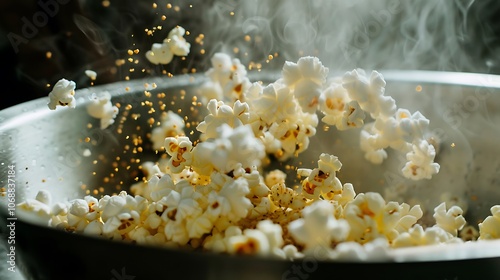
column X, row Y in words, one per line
column 421, row 163
column 178, row 44
column 490, row 227
column 91, row 74
column 418, row 236
column 62, row 94
column 369, row 93
column 452, row 220
column 100, row 107
column 306, row 79
column 179, row 150
column 174, row 44
column 227, row 79
column 222, row 114
column 318, row 227
column 230, row 148
column 171, row 125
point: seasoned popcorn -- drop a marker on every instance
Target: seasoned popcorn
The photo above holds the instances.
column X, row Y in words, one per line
column 215, row 193
column 62, row 94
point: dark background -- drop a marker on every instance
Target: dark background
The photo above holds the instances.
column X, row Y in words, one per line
column 99, row 35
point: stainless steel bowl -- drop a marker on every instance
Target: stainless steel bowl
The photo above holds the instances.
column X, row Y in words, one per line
column 48, row 149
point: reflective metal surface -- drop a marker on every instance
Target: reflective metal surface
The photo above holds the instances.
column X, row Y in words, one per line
column 49, row 151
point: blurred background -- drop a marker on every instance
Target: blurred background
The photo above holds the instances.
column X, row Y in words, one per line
column 43, row 41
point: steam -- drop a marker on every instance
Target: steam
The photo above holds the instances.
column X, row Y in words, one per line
column 393, row 34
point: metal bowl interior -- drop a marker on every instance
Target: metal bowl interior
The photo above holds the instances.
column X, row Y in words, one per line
column 50, row 151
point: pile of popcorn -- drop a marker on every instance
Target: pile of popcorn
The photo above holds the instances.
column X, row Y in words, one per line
column 215, row 194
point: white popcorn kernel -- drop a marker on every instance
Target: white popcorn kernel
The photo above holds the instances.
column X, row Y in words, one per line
column 62, row 94
column 452, row 220
column 35, row 211
column 79, row 207
column 59, row 209
column 352, row 116
column 160, row 54
column 332, row 103
column 252, row 242
column 94, row 228
column 179, row 150
column 490, row 227
column 421, row 163
column 91, row 74
column 369, row 93
column 44, row 196
column 318, row 227
column 176, row 41
column 219, row 114
column 100, row 107
column 291, row 252
column 273, row 232
column 230, row 148
column 271, row 104
column 172, row 125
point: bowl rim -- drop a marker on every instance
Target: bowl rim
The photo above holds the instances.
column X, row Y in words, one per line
column 479, row 249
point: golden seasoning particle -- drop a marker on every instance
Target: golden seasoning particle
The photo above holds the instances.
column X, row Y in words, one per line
column 418, row 88
column 248, row 38
column 87, row 139
column 131, row 70
column 127, row 88
column 47, row 85
column 155, row 6
column 119, row 62
column 231, row 13
column 202, row 51
column 236, row 50
column 177, row 8
column 151, row 121
column 130, row 60
column 163, row 17
column 95, row 192
column 48, row 55
column 89, row 125
column 453, row 145
column 169, row 6
column 130, row 52
column 106, row 3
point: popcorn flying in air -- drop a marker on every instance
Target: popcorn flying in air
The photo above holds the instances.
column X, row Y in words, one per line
column 62, row 94
column 174, row 44
column 213, row 193
column 100, row 107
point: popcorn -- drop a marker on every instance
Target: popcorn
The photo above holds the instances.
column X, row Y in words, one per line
column 62, row 94
column 91, row 74
column 421, row 163
column 219, row 114
column 100, row 107
column 174, row 44
column 179, row 150
column 318, row 228
column 306, row 78
column 227, row 79
column 230, row 148
column 171, row 125
column 490, row 227
column 215, row 192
